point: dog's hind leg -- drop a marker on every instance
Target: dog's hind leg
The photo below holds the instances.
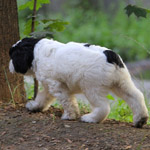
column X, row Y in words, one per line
column 42, row 101
column 61, row 92
column 135, row 99
column 71, row 110
column 99, row 103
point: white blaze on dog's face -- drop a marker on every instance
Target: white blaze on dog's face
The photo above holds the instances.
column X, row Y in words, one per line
column 11, row 67
column 16, row 43
column 21, row 55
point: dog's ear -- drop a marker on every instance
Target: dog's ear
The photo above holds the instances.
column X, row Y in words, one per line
column 22, row 60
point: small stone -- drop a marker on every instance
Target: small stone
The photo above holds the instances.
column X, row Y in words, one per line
column 33, row 122
column 40, row 145
column 67, row 126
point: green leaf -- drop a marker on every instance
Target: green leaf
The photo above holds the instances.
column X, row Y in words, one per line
column 41, row 2
column 28, row 25
column 56, row 25
column 53, row 24
column 110, row 97
column 48, row 20
column 138, row 11
column 42, row 34
column 30, row 4
column 27, row 29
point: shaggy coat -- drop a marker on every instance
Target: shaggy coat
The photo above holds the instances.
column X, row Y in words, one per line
column 68, row 69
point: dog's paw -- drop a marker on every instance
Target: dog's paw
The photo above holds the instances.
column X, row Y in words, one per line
column 141, row 122
column 32, row 106
column 67, row 116
column 88, row 118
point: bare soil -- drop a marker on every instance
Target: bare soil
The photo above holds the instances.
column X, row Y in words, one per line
column 22, row 130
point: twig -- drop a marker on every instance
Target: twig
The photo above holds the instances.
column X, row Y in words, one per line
column 33, row 16
column 11, row 92
column 32, row 30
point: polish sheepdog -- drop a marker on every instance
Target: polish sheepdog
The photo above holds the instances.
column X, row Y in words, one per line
column 68, row 69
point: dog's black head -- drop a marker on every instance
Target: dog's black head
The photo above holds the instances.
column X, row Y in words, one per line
column 22, row 55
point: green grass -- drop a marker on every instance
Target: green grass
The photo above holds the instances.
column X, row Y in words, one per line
column 84, row 108
column 120, row 111
column 144, row 75
column 29, row 90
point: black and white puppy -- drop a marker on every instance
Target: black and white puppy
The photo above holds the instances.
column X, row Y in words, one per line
column 68, row 69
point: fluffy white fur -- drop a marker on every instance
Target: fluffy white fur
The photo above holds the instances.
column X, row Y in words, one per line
column 68, row 69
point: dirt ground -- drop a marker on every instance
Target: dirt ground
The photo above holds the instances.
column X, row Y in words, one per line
column 22, row 130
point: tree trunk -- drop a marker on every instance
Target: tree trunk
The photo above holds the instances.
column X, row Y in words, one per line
column 11, row 85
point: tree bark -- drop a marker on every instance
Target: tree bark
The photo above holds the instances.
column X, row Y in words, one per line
column 11, row 85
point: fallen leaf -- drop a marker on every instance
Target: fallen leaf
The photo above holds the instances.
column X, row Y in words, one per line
column 69, row 141
column 3, row 133
column 128, row 147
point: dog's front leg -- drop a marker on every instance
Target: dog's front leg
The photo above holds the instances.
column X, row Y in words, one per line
column 61, row 93
column 41, row 102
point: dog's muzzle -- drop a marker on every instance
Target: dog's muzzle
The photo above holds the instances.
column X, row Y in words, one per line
column 11, row 67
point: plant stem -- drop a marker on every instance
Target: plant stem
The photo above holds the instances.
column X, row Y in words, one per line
column 32, row 30
column 10, row 90
column 33, row 16
column 35, row 87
